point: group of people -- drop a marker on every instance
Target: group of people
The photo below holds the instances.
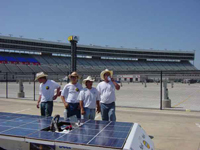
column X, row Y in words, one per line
column 78, row 100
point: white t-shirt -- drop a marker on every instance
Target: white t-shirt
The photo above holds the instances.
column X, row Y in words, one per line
column 107, row 92
column 47, row 90
column 89, row 97
column 71, row 91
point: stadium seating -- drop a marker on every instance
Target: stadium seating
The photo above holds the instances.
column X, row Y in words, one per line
column 26, row 63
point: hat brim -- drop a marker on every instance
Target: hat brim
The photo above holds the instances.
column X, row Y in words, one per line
column 40, row 77
column 85, row 80
column 103, row 72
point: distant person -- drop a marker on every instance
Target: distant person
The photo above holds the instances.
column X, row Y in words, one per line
column 106, row 89
column 69, row 97
column 46, row 94
column 89, row 99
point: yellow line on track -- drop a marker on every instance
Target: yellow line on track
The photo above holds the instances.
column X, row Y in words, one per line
column 185, row 99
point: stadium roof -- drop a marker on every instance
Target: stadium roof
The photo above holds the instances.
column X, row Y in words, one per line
column 22, row 44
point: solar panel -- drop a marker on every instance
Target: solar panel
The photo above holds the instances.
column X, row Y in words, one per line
column 93, row 126
column 117, row 128
column 75, row 138
column 11, row 124
column 24, row 119
column 108, row 142
column 44, row 135
column 36, row 126
column 7, row 117
column 3, row 128
column 91, row 132
column 18, row 132
column 113, row 134
column 83, row 131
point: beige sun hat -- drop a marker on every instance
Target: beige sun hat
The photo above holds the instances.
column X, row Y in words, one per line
column 74, row 74
column 40, row 75
column 105, row 71
column 89, row 78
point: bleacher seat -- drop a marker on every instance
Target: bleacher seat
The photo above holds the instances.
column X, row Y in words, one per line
column 11, row 59
column 56, row 64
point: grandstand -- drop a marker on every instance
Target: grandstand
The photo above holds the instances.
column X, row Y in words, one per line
column 23, row 56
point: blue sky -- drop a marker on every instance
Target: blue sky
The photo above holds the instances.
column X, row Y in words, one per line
column 156, row 24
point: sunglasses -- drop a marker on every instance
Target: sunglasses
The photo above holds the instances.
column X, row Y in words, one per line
column 107, row 74
column 74, row 77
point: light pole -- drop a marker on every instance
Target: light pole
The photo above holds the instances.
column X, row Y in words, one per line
column 73, row 40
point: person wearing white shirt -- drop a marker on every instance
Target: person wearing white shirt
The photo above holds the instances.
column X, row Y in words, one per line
column 69, row 96
column 89, row 99
column 106, row 89
column 46, row 94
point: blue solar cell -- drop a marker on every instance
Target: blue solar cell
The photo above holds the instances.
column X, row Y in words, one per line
column 11, row 123
column 34, row 116
column 2, row 120
column 3, row 128
column 8, row 117
column 24, row 120
column 4, row 115
column 96, row 122
column 85, row 131
column 92, row 126
column 18, row 132
column 126, row 124
column 43, row 120
column 114, row 134
column 118, row 128
column 107, row 142
column 35, row 126
column 20, row 115
column 75, row 138
column 45, row 135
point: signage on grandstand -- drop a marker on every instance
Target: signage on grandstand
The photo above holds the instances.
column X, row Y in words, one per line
column 73, row 38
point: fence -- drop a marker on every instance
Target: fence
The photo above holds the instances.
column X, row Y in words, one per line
column 160, row 90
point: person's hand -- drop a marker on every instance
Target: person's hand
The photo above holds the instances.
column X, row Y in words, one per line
column 98, row 109
column 82, row 112
column 66, row 105
column 59, row 93
column 55, row 97
column 38, row 105
column 112, row 79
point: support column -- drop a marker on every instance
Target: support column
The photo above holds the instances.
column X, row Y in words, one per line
column 166, row 101
column 21, row 93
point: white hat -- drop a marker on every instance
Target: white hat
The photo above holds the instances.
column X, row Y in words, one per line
column 40, row 75
column 74, row 74
column 105, row 71
column 89, row 78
